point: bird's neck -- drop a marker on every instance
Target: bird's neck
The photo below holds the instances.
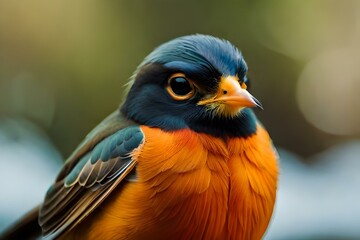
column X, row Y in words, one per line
column 243, row 125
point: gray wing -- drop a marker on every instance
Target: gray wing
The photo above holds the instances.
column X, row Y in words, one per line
column 101, row 162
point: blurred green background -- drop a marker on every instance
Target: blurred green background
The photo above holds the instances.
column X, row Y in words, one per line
column 63, row 64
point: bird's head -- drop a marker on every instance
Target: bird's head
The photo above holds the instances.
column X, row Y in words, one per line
column 197, row 82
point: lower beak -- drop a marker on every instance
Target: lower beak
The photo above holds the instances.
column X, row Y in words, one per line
column 233, row 95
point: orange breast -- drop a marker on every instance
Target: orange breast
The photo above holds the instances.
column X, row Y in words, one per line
column 192, row 186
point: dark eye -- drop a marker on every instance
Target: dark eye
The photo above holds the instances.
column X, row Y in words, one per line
column 179, row 87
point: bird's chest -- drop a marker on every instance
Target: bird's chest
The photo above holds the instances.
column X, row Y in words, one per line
column 191, row 186
column 199, row 187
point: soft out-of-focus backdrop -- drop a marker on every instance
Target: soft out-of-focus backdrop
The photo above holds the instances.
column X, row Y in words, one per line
column 63, row 65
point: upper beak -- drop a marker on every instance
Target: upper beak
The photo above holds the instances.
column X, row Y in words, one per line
column 232, row 94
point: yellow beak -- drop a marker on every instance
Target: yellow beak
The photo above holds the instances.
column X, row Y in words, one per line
column 232, row 94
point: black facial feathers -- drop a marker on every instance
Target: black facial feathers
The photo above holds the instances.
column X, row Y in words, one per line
column 203, row 59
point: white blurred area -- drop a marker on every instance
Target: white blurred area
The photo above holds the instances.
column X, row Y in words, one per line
column 29, row 164
column 321, row 200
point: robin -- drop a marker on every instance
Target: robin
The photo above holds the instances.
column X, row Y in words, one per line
column 184, row 157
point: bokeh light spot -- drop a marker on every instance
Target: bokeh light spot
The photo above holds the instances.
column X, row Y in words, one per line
column 328, row 91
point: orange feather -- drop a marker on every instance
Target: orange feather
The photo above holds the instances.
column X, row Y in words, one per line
column 191, row 185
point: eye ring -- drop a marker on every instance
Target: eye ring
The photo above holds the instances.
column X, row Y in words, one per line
column 179, row 89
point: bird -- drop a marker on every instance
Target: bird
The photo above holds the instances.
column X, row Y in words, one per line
column 183, row 157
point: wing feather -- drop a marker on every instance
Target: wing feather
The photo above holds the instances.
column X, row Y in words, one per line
column 91, row 173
